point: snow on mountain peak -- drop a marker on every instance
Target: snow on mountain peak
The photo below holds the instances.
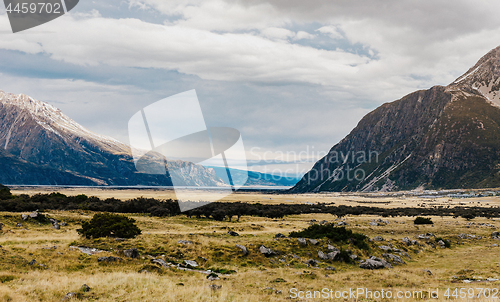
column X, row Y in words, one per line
column 53, row 120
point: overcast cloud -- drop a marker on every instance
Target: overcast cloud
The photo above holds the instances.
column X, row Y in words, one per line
column 288, row 74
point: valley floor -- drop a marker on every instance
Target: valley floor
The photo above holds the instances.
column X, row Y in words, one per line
column 60, row 268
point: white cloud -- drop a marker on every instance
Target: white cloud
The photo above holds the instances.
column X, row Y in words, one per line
column 303, row 35
column 331, row 31
column 209, row 55
column 277, row 33
column 376, row 53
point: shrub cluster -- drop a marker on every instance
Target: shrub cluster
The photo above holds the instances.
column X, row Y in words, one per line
column 335, row 234
column 109, row 225
column 218, row 210
column 5, row 192
column 422, row 220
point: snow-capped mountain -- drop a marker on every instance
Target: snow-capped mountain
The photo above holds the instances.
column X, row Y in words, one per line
column 36, row 136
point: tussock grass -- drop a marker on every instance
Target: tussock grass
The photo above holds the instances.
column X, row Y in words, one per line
column 68, row 269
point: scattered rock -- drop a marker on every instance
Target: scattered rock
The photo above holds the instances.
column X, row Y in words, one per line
column 243, row 249
column 212, row 277
column 50, row 248
column 378, row 238
column 34, row 215
column 69, row 296
column 191, row 263
column 374, row 263
column 333, row 255
column 132, row 253
column 428, row 272
column 25, row 216
column 85, row 288
column 32, row 262
column 322, row 255
column 442, row 244
column 214, row 286
column 494, row 235
column 373, row 223
column 302, row 241
column 330, row 268
column 354, row 257
column 314, row 242
column 233, row 233
column 342, row 223
column 279, row 235
column 385, row 248
column 406, row 240
column 422, row 236
column 64, row 223
column 56, row 226
column 108, row 259
column 86, row 250
column 184, row 242
column 266, row 251
column 312, row 262
column 160, row 262
column 331, row 248
column 395, row 259
column 19, row 225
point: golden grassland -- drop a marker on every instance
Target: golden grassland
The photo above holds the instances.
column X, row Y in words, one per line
column 256, row 278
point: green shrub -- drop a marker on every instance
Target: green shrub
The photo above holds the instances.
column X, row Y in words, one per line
column 6, row 278
column 336, row 234
column 468, row 216
column 5, row 193
column 109, row 225
column 422, row 220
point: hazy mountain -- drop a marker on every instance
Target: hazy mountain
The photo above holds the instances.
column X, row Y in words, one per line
column 256, row 178
column 443, row 137
column 41, row 145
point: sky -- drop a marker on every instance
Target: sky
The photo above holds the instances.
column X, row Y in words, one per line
column 294, row 77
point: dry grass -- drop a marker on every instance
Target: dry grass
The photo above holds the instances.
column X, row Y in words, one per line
column 68, row 269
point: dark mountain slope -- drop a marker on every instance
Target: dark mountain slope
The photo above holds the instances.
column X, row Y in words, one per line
column 444, row 137
column 38, row 137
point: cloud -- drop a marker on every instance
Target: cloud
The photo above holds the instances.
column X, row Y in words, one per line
column 331, row 31
column 209, row 55
column 286, row 73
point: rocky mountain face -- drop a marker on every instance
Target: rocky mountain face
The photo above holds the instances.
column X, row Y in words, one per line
column 440, row 138
column 40, row 145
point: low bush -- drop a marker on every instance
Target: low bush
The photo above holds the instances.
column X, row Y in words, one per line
column 422, row 220
column 5, row 193
column 109, row 225
column 336, row 234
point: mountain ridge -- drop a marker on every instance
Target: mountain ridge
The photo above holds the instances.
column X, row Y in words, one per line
column 36, row 136
column 443, row 137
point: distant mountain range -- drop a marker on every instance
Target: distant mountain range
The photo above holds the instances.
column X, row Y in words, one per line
column 39, row 145
column 443, row 137
column 256, row 178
